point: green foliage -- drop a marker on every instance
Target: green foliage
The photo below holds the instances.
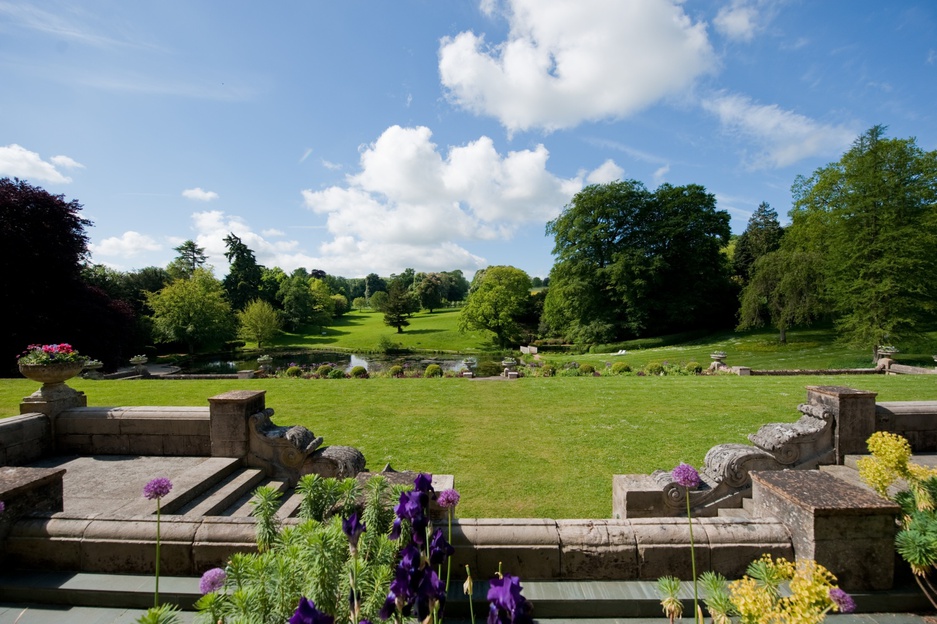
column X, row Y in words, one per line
column 635, row 262
column 259, row 322
column 693, row 368
column 488, row 368
column 294, row 371
column 313, row 559
column 324, row 370
column 336, row 373
column 163, row 614
column 378, row 300
column 499, row 295
column 586, row 369
column 397, row 307
column 653, row 368
column 620, row 367
column 191, row 258
column 193, row 311
column 358, row 372
column 433, row 370
column 242, row 283
column 359, row 303
column 395, row 371
column 761, row 237
column 265, row 503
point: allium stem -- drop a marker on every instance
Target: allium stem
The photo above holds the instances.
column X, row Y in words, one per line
column 689, row 517
column 156, row 593
column 449, row 559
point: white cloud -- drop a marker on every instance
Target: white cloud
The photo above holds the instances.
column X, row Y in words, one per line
column 330, row 165
column 410, row 204
column 607, row 172
column 127, row 245
column 738, row 20
column 199, row 195
column 567, row 62
column 17, row 161
column 660, row 174
column 781, row 138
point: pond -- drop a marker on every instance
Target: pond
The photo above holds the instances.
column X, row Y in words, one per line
column 373, row 363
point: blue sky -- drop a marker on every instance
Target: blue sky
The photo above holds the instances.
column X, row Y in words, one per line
column 370, row 136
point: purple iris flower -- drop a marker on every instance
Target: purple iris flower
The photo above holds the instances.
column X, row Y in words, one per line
column 306, row 613
column 508, row 606
column 3, row 507
column 439, row 548
column 353, row 528
column 157, row 488
column 423, row 483
column 686, row 475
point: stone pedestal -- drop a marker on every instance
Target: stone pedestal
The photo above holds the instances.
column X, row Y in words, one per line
column 230, row 414
column 847, row 529
column 52, row 401
column 854, row 417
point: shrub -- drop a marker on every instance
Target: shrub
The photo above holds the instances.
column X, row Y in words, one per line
column 358, row 372
column 336, row 373
column 294, row 371
column 694, row 368
column 395, row 371
column 488, row 369
column 323, row 371
column 586, row 369
column 621, row 367
column 571, row 372
column 433, row 370
column 654, row 368
column 547, row 370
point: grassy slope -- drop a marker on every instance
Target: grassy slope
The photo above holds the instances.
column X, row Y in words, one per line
column 531, row 448
column 361, row 331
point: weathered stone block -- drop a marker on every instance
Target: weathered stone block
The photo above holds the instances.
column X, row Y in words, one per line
column 230, row 412
column 531, row 545
column 664, row 548
column 597, row 549
column 636, row 496
column 854, row 414
column 110, row 444
column 848, row 529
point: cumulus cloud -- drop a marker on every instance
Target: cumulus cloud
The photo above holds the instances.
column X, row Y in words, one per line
column 606, row 172
column 567, row 62
column 127, row 245
column 411, row 204
column 199, row 195
column 17, row 161
column 782, row 137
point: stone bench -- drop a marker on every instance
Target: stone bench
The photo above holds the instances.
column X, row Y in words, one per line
column 846, row 528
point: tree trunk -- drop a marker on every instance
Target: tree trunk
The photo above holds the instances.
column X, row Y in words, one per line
column 399, row 329
column 782, row 337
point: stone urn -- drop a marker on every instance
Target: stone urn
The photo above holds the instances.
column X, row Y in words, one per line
column 53, row 378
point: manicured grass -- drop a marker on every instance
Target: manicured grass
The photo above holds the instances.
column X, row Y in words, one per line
column 805, row 349
column 362, row 331
column 536, row 447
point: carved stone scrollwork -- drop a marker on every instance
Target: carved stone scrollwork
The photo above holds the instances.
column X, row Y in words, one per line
column 798, row 442
column 282, row 451
column 730, row 463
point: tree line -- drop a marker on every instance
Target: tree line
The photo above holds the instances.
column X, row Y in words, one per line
column 629, row 262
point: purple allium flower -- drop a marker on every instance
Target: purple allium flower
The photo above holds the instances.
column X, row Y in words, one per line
column 157, row 488
column 448, row 499
column 686, row 475
column 212, row 581
column 306, row 613
column 843, row 601
column 3, row 507
column 353, row 528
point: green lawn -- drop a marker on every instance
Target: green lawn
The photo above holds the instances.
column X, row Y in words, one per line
column 362, row 331
column 536, row 447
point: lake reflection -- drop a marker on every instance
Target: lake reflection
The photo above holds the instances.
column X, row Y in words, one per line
column 312, row 359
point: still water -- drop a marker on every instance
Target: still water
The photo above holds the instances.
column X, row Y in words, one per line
column 346, row 361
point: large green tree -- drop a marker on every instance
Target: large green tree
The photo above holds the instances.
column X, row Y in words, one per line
column 632, row 262
column 190, row 258
column 397, row 305
column 873, row 217
column 498, row 297
column 243, row 281
column 192, row 311
column 761, row 237
column 259, row 321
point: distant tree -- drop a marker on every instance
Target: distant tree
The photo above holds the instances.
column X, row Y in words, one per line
column 190, row 258
column 242, row 283
column 259, row 322
column 271, row 279
column 359, row 303
column 297, row 300
column 499, row 295
column 536, row 282
column 339, row 305
column 432, row 290
column 785, row 290
column 193, row 311
column 761, row 237
column 378, row 300
column 138, row 283
column 397, row 306
column 458, row 286
column 373, row 284
column 323, row 305
column 639, row 262
column 873, row 217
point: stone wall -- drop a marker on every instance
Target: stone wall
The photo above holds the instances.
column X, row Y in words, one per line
column 184, row 431
column 25, row 438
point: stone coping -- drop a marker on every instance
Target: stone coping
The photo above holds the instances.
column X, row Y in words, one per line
column 823, row 494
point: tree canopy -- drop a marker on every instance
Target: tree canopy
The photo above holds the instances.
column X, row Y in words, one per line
column 498, row 297
column 631, row 262
column 243, row 281
column 192, row 311
column 190, row 258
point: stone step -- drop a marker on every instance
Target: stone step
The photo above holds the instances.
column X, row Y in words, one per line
column 582, row 602
column 748, row 505
column 186, row 487
column 226, row 493
column 290, row 506
column 734, row 513
column 242, row 508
